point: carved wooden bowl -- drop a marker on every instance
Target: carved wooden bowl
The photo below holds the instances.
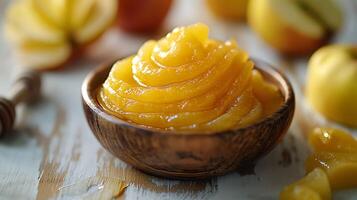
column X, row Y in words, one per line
column 187, row 156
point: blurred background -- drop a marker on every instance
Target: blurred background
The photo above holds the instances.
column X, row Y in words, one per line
column 64, row 43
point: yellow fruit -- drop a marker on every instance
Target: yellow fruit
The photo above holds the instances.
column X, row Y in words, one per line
column 335, row 152
column 341, row 168
column 229, row 9
column 44, row 33
column 331, row 83
column 294, row 26
column 51, row 56
column 332, row 140
column 314, row 186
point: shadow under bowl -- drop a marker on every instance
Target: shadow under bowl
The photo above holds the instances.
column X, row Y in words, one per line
column 193, row 155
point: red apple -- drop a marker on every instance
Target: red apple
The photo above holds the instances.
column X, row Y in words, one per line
column 142, row 15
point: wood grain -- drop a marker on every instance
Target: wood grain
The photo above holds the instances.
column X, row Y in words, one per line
column 26, row 89
column 82, row 169
column 187, row 156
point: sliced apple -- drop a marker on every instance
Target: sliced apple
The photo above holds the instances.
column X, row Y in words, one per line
column 100, row 18
column 55, row 11
column 44, row 32
column 45, row 57
column 295, row 26
column 314, row 186
column 341, row 168
column 325, row 12
column 332, row 140
column 80, row 10
column 24, row 25
column 294, row 15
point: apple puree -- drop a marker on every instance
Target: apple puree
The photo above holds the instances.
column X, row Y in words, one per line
column 188, row 82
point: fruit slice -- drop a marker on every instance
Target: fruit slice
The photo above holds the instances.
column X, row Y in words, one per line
column 325, row 12
column 45, row 31
column 296, row 26
column 332, row 140
column 341, row 168
column 101, row 16
column 314, row 186
column 45, row 57
column 31, row 28
column 299, row 19
column 79, row 11
column 54, row 11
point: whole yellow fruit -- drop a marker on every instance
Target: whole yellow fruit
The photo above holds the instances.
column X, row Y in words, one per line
column 332, row 83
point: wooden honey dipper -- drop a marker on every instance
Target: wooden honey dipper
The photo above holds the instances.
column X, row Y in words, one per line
column 26, row 89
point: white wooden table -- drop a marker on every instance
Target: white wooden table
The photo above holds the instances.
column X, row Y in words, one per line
column 52, row 153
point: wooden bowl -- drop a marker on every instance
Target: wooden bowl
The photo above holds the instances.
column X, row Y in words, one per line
column 187, row 156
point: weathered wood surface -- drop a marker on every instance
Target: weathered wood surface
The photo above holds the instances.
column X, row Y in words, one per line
column 52, row 154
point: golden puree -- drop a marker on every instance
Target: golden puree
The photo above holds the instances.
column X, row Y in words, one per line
column 187, row 82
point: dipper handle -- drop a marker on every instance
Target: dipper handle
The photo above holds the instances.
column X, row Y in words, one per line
column 26, row 89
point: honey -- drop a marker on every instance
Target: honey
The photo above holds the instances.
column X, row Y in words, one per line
column 187, row 82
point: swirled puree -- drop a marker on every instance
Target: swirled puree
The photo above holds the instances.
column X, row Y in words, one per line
column 187, row 82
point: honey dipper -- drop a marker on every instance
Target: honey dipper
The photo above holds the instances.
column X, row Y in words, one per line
column 26, row 89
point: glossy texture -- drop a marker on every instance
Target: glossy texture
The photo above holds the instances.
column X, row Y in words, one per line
column 335, row 152
column 331, row 85
column 187, row 82
column 341, row 168
column 142, row 16
column 314, row 186
column 192, row 155
column 332, row 140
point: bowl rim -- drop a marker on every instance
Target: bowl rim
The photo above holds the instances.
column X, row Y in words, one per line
column 285, row 88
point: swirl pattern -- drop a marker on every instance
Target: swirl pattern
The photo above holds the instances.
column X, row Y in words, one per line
column 187, row 82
